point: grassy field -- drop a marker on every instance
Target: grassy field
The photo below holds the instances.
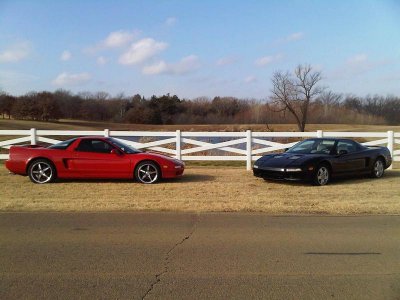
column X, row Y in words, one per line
column 205, row 189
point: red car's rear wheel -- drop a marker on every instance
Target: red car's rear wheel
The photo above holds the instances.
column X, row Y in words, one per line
column 41, row 171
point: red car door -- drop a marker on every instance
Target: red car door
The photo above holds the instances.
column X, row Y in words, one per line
column 93, row 158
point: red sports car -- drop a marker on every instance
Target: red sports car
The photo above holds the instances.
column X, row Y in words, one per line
column 91, row 157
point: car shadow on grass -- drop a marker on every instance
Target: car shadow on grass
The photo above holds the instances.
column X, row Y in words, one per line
column 364, row 178
column 346, row 180
column 183, row 179
column 191, row 178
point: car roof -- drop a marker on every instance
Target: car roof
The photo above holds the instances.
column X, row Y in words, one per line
column 332, row 139
column 93, row 137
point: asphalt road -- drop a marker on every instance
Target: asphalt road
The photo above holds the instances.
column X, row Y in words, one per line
column 191, row 256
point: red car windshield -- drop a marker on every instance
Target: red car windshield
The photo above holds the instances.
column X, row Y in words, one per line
column 62, row 145
column 124, row 147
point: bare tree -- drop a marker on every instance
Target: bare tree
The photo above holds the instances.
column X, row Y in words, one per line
column 328, row 100
column 294, row 93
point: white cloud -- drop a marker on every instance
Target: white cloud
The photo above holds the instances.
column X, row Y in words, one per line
column 226, row 61
column 15, row 53
column 358, row 59
column 170, row 21
column 66, row 55
column 185, row 65
column 141, row 51
column 119, row 38
column 294, row 37
column 265, row 60
column 358, row 64
column 10, row 78
column 101, row 60
column 250, row 79
column 361, row 63
column 66, row 79
column 156, row 68
column 114, row 40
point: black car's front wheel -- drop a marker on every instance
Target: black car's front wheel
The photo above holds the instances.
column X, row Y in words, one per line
column 322, row 175
column 378, row 168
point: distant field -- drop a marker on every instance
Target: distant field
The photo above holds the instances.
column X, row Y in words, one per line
column 205, row 189
column 84, row 125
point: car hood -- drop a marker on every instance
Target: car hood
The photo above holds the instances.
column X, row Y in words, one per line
column 282, row 160
column 161, row 156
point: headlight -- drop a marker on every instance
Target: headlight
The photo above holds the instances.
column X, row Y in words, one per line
column 178, row 167
column 293, row 170
column 255, row 167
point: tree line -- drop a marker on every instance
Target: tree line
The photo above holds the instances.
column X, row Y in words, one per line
column 295, row 97
column 328, row 107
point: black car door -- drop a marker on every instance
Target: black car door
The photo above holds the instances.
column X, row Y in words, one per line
column 349, row 157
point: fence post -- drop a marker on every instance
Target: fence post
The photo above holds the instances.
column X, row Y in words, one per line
column 178, row 145
column 106, row 132
column 320, row 134
column 33, row 136
column 390, row 145
column 248, row 150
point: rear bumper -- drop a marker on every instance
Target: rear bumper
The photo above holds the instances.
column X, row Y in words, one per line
column 16, row 167
column 281, row 174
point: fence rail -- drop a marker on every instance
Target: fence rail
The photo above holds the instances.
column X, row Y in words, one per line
column 201, row 146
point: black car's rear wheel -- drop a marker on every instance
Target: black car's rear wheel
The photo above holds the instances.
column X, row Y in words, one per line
column 41, row 171
column 147, row 172
column 322, row 175
column 378, row 168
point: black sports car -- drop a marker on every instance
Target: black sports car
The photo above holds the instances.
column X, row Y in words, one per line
column 318, row 160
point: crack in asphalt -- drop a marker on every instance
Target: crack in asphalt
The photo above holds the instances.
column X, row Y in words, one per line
column 168, row 257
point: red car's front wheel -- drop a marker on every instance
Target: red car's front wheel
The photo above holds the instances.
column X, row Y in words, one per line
column 147, row 172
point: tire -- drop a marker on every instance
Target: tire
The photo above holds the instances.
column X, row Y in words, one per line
column 378, row 168
column 42, row 171
column 322, row 175
column 147, row 172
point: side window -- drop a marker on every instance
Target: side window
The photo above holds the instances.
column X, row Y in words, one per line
column 97, row 146
column 348, row 146
column 325, row 147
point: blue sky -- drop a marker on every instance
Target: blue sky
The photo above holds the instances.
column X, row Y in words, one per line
column 197, row 48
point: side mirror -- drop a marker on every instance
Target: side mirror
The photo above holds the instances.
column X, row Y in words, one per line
column 342, row 152
column 116, row 152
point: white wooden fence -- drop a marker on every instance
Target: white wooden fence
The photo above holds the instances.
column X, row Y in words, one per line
column 199, row 146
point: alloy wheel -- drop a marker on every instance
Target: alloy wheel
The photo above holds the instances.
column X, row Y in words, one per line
column 147, row 173
column 378, row 168
column 322, row 175
column 41, row 172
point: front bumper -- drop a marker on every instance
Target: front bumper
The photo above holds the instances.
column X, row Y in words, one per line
column 281, row 174
column 174, row 171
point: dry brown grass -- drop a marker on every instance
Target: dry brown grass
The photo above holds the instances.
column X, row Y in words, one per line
column 205, row 189
column 86, row 125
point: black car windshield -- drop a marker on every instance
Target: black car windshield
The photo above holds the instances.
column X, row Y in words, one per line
column 124, row 147
column 313, row 147
column 62, row 145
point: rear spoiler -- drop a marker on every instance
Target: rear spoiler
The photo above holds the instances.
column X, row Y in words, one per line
column 27, row 146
